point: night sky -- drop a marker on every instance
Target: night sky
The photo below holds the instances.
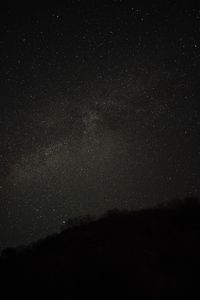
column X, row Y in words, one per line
column 99, row 108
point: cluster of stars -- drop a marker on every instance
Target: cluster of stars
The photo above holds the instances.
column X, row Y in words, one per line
column 99, row 110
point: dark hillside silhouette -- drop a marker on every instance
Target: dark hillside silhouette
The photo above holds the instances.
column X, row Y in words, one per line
column 148, row 254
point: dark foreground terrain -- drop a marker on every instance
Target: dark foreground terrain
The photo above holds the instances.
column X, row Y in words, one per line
column 149, row 254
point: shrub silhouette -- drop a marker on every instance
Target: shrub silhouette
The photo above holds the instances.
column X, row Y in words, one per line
column 77, row 221
column 9, row 252
column 188, row 202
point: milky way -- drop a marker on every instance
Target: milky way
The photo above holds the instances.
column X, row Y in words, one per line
column 99, row 109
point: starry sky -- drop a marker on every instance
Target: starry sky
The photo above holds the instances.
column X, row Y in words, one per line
column 99, row 108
